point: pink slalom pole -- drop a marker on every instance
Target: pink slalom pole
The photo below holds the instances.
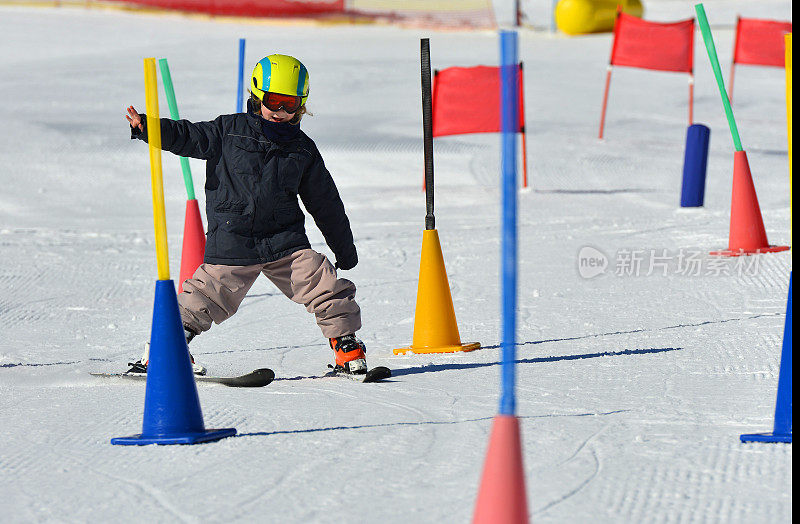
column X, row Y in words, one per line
column 605, row 103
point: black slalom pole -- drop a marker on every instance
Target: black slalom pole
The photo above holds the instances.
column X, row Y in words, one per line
column 427, row 130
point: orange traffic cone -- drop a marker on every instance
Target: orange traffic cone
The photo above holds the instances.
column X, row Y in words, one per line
column 435, row 328
column 747, row 235
column 194, row 242
column 501, row 497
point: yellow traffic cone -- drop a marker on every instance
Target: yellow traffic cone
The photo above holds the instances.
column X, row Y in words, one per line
column 435, row 328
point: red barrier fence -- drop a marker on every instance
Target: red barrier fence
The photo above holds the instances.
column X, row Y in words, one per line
column 758, row 42
column 468, row 14
column 245, row 7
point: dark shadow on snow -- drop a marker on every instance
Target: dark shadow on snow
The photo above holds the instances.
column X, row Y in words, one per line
column 432, row 368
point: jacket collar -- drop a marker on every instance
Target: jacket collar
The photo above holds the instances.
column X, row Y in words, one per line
column 255, row 123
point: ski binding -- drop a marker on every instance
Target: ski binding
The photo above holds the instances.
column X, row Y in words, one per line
column 375, row 374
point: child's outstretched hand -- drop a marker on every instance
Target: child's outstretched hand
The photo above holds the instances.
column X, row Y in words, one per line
column 134, row 119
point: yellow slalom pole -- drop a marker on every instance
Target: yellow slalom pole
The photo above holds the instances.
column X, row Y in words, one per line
column 156, row 180
column 788, row 39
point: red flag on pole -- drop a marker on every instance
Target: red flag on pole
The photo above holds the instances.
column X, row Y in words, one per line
column 656, row 46
column 467, row 100
column 758, row 42
column 653, row 45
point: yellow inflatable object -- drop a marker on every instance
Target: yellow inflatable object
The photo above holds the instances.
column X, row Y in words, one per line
column 579, row 17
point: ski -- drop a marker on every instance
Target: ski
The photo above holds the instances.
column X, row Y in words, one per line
column 375, row 374
column 255, row 379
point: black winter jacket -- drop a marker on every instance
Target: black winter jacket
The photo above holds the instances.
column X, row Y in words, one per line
column 252, row 185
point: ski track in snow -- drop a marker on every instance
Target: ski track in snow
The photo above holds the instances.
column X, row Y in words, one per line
column 592, row 474
column 632, row 390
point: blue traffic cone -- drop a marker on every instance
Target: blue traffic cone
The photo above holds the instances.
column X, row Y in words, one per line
column 782, row 429
column 172, row 412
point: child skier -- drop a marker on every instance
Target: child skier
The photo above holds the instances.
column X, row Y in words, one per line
column 258, row 163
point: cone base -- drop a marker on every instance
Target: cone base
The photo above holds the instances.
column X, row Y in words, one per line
column 741, row 252
column 468, row 346
column 180, row 438
column 767, row 437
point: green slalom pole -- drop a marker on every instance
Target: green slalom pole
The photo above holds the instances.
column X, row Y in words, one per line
column 173, row 113
column 712, row 56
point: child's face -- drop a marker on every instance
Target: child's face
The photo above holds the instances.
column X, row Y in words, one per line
column 275, row 116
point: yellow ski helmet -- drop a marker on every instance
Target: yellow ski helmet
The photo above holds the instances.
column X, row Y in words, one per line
column 281, row 74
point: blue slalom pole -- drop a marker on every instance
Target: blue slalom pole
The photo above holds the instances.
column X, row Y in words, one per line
column 782, row 426
column 783, row 404
column 509, row 99
column 240, row 91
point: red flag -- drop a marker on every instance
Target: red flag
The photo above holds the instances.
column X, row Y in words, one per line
column 653, row 45
column 760, row 42
column 467, row 100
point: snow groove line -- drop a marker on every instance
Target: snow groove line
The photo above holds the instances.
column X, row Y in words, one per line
column 398, row 144
column 565, row 339
column 644, row 330
column 586, row 481
column 97, row 359
column 722, row 359
column 21, row 462
column 397, row 405
column 39, row 364
column 155, row 495
column 34, row 364
column 582, row 445
column 295, row 346
column 421, row 423
column 243, row 509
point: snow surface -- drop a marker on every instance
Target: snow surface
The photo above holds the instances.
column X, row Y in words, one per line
column 632, row 390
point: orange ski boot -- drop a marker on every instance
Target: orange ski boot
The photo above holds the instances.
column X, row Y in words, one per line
column 350, row 354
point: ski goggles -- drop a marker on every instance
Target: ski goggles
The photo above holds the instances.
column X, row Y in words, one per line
column 276, row 101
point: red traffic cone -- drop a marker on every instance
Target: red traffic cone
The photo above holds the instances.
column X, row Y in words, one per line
column 194, row 242
column 501, row 498
column 747, row 235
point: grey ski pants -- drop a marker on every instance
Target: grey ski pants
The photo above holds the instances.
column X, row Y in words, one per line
column 215, row 292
